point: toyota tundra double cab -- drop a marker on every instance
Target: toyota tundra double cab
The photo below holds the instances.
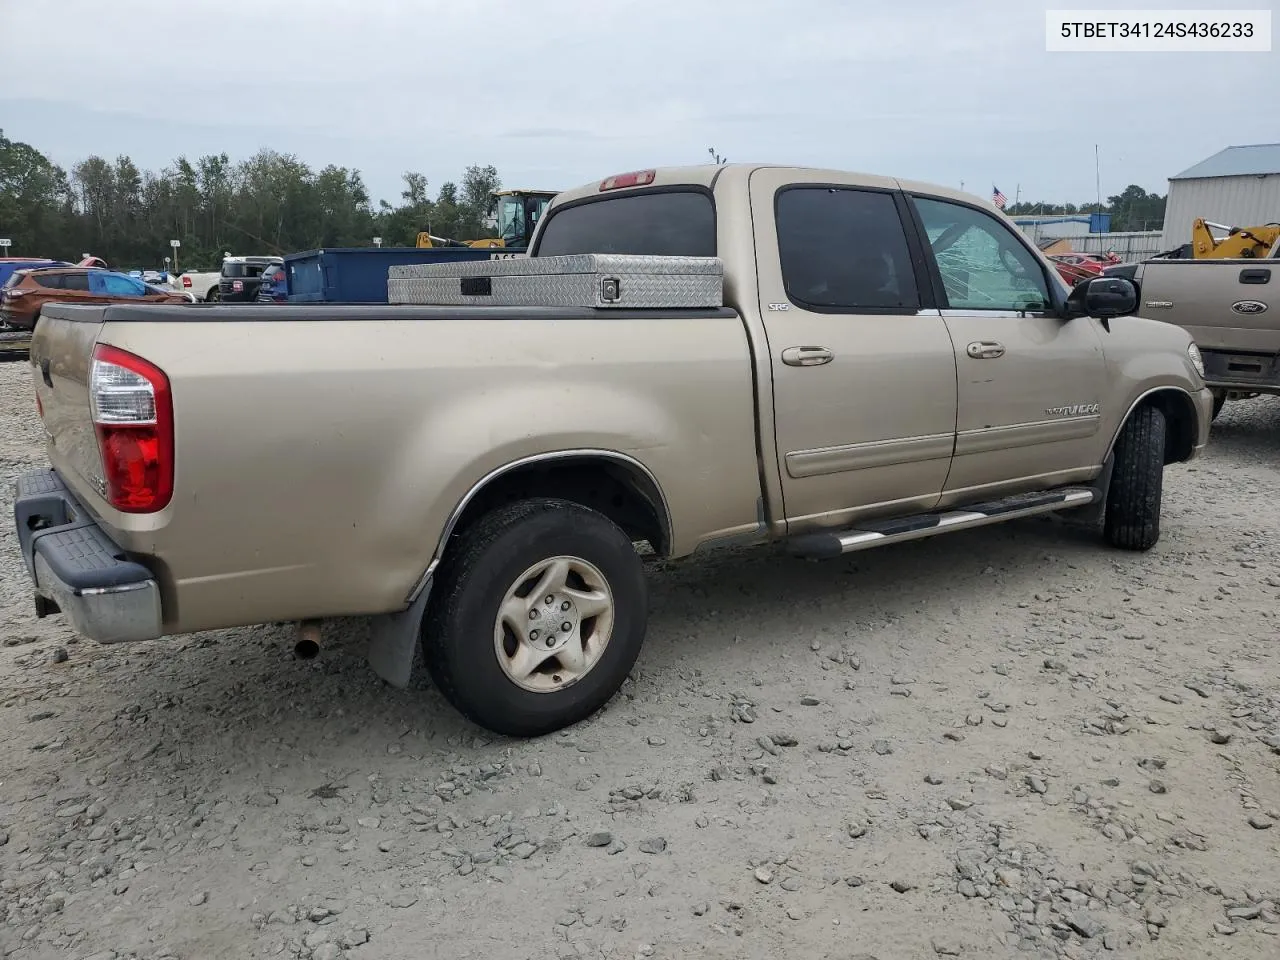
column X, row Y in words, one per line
column 884, row 360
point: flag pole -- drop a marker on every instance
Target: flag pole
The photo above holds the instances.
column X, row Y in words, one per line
column 1097, row 174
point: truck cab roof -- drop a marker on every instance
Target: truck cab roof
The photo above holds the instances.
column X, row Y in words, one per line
column 707, row 175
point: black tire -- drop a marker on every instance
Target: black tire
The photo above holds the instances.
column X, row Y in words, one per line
column 1133, row 499
column 470, row 585
column 213, row 296
column 1219, row 399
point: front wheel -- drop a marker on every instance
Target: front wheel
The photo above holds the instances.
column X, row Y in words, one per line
column 1132, row 519
column 537, row 617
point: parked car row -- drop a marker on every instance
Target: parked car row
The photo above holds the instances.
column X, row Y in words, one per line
column 242, row 277
column 241, row 280
column 31, row 287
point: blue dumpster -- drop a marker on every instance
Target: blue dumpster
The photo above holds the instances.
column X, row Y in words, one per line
column 359, row 274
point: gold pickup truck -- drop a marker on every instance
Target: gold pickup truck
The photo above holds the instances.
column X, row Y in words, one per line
column 1230, row 308
column 889, row 360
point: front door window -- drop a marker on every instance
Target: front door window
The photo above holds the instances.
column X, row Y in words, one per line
column 983, row 265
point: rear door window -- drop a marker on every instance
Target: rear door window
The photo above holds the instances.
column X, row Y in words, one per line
column 844, row 250
column 671, row 223
column 75, row 281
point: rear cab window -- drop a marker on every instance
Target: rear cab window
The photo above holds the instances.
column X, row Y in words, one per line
column 238, row 269
column 844, row 250
column 659, row 223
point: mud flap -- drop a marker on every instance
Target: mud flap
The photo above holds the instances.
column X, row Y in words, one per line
column 1092, row 515
column 393, row 641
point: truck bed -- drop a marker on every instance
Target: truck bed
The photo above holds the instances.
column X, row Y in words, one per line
column 371, row 424
column 353, row 312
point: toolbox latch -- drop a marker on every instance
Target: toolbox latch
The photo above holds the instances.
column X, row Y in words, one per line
column 476, row 286
column 610, row 289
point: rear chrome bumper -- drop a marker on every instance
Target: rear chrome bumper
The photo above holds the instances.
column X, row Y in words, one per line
column 77, row 570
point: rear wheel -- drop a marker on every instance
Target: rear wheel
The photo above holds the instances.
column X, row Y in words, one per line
column 1132, row 519
column 537, row 617
column 212, row 296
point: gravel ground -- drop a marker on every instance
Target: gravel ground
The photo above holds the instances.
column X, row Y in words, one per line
column 1006, row 742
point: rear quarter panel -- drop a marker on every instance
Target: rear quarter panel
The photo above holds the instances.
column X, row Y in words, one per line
column 318, row 461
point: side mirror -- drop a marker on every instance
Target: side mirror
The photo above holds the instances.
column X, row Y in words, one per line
column 1103, row 298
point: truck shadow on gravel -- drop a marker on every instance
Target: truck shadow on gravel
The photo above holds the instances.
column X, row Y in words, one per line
column 240, row 695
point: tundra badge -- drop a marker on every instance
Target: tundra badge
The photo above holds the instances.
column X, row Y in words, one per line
column 1075, row 410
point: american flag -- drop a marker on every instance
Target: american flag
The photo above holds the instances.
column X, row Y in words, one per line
column 998, row 198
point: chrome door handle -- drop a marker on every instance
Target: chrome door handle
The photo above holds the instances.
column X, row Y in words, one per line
column 806, row 356
column 985, row 349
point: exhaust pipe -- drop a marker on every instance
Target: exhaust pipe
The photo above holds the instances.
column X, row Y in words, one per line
column 308, row 645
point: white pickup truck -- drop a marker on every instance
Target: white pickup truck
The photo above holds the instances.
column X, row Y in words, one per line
column 202, row 284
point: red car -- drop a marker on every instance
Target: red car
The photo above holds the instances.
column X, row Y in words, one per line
column 1074, row 267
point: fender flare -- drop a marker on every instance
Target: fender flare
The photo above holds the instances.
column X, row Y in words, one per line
column 1141, row 398
column 393, row 640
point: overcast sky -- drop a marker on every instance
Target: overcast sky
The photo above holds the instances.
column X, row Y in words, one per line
column 555, row 93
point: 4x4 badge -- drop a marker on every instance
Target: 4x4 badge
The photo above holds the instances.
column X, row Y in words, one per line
column 1249, row 307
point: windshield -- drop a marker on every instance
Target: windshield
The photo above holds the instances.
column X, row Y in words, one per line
column 511, row 220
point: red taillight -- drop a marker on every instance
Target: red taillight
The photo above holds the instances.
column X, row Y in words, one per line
column 277, row 277
column 186, row 281
column 132, row 411
column 637, row 179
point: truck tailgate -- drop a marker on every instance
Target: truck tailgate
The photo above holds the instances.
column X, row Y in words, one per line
column 61, row 353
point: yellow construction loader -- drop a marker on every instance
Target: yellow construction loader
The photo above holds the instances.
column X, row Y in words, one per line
column 516, row 213
column 1246, row 243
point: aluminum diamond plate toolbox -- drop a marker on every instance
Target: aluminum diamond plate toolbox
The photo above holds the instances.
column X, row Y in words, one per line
column 580, row 280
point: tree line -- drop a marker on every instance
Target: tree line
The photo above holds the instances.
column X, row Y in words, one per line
column 271, row 203
column 275, row 203
column 1131, row 209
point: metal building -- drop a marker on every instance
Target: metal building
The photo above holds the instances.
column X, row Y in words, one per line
column 1238, row 186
